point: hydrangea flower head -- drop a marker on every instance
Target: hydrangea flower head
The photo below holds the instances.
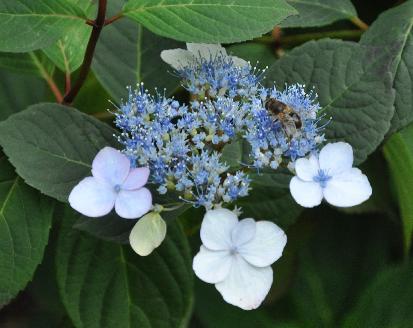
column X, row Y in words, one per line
column 236, row 256
column 208, row 71
column 331, row 176
column 113, row 184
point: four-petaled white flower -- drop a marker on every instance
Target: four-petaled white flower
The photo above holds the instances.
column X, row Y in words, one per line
column 180, row 58
column 113, row 184
column 236, row 256
column 330, row 176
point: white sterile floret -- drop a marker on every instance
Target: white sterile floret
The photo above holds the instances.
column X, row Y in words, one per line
column 236, row 256
column 180, row 58
column 331, row 176
column 113, row 184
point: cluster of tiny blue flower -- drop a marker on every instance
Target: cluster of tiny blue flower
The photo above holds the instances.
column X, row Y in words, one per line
column 182, row 144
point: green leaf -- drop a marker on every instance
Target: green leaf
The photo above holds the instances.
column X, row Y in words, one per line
column 354, row 86
column 270, row 199
column 52, row 146
column 18, row 91
column 213, row 312
column 257, row 53
column 68, row 52
column 27, row 25
column 319, row 12
column 107, row 285
column 34, row 63
column 335, row 264
column 209, row 21
column 128, row 54
column 387, row 302
column 394, row 30
column 398, row 151
column 25, row 220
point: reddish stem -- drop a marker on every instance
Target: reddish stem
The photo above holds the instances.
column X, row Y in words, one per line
column 90, row 50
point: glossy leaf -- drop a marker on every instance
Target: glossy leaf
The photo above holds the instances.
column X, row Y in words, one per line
column 52, row 146
column 25, row 220
column 319, row 12
column 209, row 21
column 398, row 151
column 393, row 31
column 128, row 54
column 354, row 86
column 18, row 91
column 27, row 25
column 107, row 285
column 386, row 302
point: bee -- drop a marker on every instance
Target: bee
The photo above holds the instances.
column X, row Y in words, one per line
column 290, row 120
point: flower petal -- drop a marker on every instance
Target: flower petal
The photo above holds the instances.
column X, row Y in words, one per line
column 212, row 266
column 111, row 166
column 136, row 179
column 239, row 62
column 336, row 157
column 92, row 197
column 216, row 229
column 178, row 58
column 243, row 232
column 307, row 168
column 132, row 204
column 267, row 245
column 147, row 234
column 307, row 194
column 205, row 50
column 348, row 189
column 245, row 286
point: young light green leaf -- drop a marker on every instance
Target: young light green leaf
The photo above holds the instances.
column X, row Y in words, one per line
column 52, row 146
column 68, row 52
column 27, row 25
column 398, row 151
column 354, row 86
column 18, row 91
column 147, row 234
column 209, row 21
column 128, row 54
column 107, row 285
column 393, row 30
column 386, row 302
column 319, row 12
column 25, row 220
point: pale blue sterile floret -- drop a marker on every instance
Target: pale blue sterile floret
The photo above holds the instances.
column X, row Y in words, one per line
column 182, row 144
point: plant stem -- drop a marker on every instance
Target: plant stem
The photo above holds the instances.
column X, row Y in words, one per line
column 292, row 40
column 113, row 19
column 49, row 79
column 359, row 23
column 90, row 50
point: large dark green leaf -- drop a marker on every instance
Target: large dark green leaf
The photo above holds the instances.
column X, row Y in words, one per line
column 209, row 21
column 27, row 25
column 270, row 199
column 393, row 30
column 107, row 285
column 25, row 220
column 128, row 54
column 336, row 262
column 52, row 146
column 17, row 91
column 387, row 302
column 319, row 12
column 354, row 86
column 398, row 151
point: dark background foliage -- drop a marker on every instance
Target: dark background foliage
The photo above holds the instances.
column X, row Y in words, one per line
column 341, row 268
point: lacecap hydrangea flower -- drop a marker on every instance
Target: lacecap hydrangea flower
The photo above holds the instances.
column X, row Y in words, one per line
column 330, row 175
column 236, row 256
column 179, row 148
column 113, row 184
